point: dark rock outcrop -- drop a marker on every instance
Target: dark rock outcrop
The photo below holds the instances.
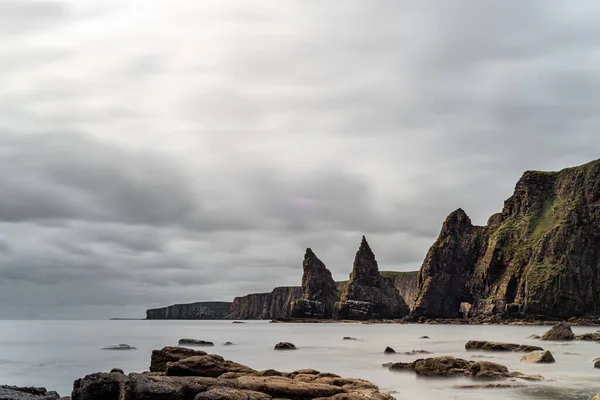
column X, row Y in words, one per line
column 26, row 393
column 561, row 331
column 449, row 366
column 368, row 295
column 121, row 346
column 319, row 292
column 200, row 310
column 538, row 258
column 194, row 342
column 285, row 346
column 499, row 346
column 160, row 358
column 273, row 305
column 212, row 377
column 407, row 284
column 389, row 350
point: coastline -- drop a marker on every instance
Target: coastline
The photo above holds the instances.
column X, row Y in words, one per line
column 445, row 321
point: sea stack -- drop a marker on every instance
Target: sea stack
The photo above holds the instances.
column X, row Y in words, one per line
column 368, row 295
column 319, row 292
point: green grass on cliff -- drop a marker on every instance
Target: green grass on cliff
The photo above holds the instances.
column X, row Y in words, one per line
column 540, row 276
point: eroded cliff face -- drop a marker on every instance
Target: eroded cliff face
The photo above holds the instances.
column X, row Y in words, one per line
column 200, row 310
column 319, row 292
column 272, row 305
column 368, row 295
column 407, row 284
column 539, row 257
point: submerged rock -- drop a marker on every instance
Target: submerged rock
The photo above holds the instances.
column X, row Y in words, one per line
column 349, row 338
column 499, row 346
column 449, row 366
column 538, row 357
column 415, row 352
column 285, row 346
column 227, row 344
column 119, row 347
column 533, row 337
column 561, row 331
column 194, row 342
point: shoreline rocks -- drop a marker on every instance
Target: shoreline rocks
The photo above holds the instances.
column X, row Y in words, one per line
column 561, row 331
column 211, row 377
column 538, row 357
column 195, row 342
column 26, row 393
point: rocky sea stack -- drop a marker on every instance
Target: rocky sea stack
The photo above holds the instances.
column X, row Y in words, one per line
column 368, row 295
column 538, row 258
column 319, row 292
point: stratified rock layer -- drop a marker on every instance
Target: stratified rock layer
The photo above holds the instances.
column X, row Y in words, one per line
column 200, row 310
column 368, row 295
column 319, row 292
column 274, row 305
column 538, row 258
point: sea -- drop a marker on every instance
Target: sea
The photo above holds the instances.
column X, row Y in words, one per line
column 53, row 354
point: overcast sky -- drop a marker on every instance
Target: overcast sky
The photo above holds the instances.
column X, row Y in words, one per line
column 157, row 152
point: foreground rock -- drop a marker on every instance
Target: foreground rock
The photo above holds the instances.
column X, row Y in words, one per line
column 169, row 354
column 119, row 347
column 538, row 357
column 319, row 293
column 561, row 331
column 194, row 342
column 285, row 346
column 368, row 295
column 26, row 393
column 499, row 346
column 450, row 366
column 211, row 377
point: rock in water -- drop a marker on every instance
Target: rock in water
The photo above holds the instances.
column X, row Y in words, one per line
column 389, row 350
column 285, row 346
column 368, row 295
column 194, row 342
column 160, row 358
column 538, row 357
column 121, row 346
column 319, row 293
column 560, row 331
column 499, row 346
column 26, row 393
column 534, row 259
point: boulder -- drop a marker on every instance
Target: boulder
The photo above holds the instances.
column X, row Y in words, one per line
column 499, row 346
column 210, row 365
column 116, row 371
column 561, row 331
column 26, row 393
column 589, row 337
column 597, row 363
column 160, row 358
column 538, row 357
column 227, row 344
column 122, row 346
column 194, row 342
column 285, row 346
column 424, row 337
column 389, row 350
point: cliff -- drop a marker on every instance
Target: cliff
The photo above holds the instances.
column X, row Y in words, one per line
column 273, row 305
column 368, row 295
column 319, row 291
column 201, row 310
column 539, row 257
column 407, row 284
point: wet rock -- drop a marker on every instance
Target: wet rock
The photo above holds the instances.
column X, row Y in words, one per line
column 160, row 358
column 238, row 322
column 424, row 337
column 491, row 386
column 589, row 337
column 26, row 393
column 389, row 350
column 210, row 365
column 449, row 366
column 285, row 346
column 194, row 342
column 533, row 337
column 227, row 344
column 597, row 363
column 561, row 331
column 116, row 371
column 499, row 346
column 119, row 347
column 538, row 357
column 349, row 338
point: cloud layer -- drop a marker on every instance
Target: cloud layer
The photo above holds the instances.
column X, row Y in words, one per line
column 157, row 152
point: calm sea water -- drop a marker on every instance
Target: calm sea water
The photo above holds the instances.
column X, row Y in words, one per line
column 55, row 353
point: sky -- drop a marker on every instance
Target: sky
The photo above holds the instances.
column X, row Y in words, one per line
column 157, row 152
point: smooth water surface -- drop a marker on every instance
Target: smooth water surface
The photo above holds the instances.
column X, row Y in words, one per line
column 55, row 353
